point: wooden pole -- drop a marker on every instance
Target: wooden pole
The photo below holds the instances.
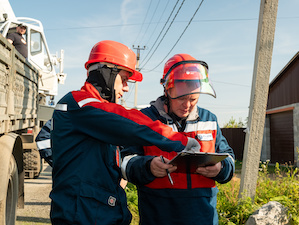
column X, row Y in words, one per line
column 137, row 67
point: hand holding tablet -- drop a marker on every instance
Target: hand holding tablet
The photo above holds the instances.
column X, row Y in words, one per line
column 188, row 162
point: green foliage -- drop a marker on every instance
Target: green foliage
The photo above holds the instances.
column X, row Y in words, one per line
column 238, row 166
column 231, row 210
column 272, row 185
column 275, row 183
column 234, row 124
column 132, row 197
column 280, row 186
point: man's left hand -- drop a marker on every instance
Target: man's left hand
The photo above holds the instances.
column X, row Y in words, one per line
column 209, row 171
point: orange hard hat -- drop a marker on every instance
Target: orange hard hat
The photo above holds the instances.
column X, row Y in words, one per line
column 185, row 75
column 113, row 52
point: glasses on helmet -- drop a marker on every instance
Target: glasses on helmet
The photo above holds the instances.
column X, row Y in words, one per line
column 187, row 77
column 111, row 66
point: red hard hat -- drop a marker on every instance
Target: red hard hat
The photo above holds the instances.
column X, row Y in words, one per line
column 115, row 53
column 175, row 59
column 185, row 75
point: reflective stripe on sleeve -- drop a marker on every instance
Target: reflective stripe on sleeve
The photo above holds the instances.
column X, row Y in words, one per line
column 43, row 144
column 61, row 107
column 88, row 100
column 231, row 158
column 124, row 164
column 51, row 128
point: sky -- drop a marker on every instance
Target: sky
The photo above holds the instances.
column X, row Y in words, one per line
column 221, row 33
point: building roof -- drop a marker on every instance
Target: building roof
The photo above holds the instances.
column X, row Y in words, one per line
column 295, row 57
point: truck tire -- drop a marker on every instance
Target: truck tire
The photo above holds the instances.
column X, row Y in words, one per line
column 32, row 163
column 8, row 207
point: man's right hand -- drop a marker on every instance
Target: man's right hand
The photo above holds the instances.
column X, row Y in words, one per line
column 158, row 168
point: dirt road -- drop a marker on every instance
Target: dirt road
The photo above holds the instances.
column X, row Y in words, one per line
column 37, row 201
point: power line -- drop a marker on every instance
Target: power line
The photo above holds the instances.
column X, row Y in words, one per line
column 165, row 32
column 150, row 22
column 180, row 35
column 180, row 21
column 146, row 44
column 161, row 30
column 137, row 24
column 144, row 19
column 243, row 85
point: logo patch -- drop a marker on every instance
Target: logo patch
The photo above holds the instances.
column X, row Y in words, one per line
column 111, row 201
column 205, row 137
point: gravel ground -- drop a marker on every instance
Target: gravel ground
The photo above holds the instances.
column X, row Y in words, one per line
column 37, row 201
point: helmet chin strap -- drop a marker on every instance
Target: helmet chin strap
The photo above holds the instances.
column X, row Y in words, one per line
column 166, row 101
column 111, row 81
column 103, row 79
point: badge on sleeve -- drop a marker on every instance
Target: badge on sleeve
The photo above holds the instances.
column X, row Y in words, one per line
column 111, row 201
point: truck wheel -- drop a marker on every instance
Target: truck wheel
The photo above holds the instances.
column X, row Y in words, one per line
column 32, row 163
column 9, row 206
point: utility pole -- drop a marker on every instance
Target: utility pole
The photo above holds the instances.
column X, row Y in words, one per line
column 258, row 99
column 137, row 68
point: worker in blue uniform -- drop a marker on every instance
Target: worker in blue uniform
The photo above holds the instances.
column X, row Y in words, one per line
column 87, row 127
column 183, row 197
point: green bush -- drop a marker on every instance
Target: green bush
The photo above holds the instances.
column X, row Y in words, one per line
column 275, row 183
column 132, row 197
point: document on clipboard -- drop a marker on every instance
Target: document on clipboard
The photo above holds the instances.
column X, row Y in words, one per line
column 187, row 162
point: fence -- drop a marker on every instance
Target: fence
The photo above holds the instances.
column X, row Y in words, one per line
column 236, row 139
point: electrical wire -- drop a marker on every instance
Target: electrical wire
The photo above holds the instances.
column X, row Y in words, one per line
column 143, row 20
column 165, row 33
column 221, row 82
column 137, row 24
column 161, row 31
column 180, row 35
column 146, row 44
column 150, row 21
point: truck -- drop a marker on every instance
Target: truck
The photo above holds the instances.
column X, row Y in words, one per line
column 27, row 90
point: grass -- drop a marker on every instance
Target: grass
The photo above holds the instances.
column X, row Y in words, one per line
column 275, row 183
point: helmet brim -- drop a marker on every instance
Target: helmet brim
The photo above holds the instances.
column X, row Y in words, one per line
column 137, row 76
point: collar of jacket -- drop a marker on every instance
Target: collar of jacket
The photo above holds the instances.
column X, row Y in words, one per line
column 88, row 87
column 159, row 105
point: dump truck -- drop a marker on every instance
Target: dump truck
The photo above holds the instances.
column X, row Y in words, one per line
column 27, row 90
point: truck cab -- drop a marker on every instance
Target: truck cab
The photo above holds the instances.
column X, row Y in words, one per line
column 38, row 54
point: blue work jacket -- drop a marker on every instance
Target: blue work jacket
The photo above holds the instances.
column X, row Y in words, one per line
column 86, row 173
column 192, row 198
